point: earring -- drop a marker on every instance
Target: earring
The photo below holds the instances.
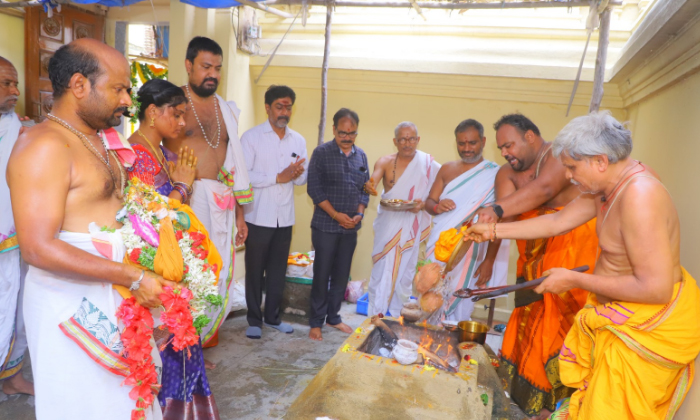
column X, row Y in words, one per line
column 153, row 122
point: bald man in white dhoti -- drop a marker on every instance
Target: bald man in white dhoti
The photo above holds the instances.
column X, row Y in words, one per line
column 460, row 189
column 406, row 175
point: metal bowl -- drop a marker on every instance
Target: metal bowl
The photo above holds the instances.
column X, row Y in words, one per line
column 472, row 331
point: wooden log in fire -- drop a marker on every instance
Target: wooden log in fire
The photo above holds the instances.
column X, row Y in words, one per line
column 384, row 329
column 427, row 354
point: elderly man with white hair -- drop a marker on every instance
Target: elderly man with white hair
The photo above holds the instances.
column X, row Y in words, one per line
column 406, row 175
column 13, row 339
column 630, row 352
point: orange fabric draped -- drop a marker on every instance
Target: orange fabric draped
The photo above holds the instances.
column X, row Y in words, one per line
column 535, row 333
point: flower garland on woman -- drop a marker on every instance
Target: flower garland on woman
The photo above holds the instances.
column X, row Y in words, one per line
column 161, row 115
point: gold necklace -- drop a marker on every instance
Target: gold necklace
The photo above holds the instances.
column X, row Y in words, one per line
column 163, row 162
column 88, row 145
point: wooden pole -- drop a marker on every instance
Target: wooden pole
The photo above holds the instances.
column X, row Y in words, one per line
column 601, row 56
column 324, row 71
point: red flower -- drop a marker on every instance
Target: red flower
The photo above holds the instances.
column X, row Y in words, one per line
column 136, row 337
column 186, row 269
column 134, row 255
column 178, row 234
column 178, row 318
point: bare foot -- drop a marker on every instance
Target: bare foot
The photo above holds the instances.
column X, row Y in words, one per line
column 209, row 365
column 315, row 334
column 342, row 327
column 544, row 415
column 17, row 385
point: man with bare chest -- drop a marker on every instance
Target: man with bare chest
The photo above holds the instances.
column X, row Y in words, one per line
column 534, row 184
column 406, row 175
column 631, row 350
column 460, row 189
column 221, row 185
column 66, row 188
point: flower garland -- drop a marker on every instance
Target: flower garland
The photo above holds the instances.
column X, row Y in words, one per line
column 141, row 216
column 142, row 72
column 136, row 338
column 184, row 313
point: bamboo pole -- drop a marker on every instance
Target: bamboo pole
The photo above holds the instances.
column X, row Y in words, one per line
column 601, row 57
column 324, row 71
column 265, row 8
column 444, row 4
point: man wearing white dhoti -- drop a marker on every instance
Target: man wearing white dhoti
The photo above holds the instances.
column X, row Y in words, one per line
column 406, row 175
column 66, row 188
column 460, row 189
column 222, row 185
column 13, row 340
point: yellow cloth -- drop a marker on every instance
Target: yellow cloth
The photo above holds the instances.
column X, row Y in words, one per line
column 168, row 261
column 632, row 360
column 447, row 242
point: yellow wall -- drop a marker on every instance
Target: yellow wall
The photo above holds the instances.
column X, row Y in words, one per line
column 12, row 27
column 669, row 121
column 436, row 104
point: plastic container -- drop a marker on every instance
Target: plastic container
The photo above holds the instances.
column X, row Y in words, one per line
column 362, row 304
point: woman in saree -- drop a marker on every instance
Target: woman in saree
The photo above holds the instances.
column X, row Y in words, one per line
column 184, row 385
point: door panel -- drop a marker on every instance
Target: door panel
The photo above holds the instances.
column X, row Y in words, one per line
column 44, row 35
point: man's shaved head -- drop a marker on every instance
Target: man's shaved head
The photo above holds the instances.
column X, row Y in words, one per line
column 9, row 89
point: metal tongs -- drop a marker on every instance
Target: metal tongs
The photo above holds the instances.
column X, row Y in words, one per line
column 490, row 292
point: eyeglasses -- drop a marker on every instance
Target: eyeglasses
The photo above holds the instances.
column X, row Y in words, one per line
column 404, row 140
column 351, row 135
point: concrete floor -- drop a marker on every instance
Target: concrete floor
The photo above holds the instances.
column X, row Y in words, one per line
column 253, row 379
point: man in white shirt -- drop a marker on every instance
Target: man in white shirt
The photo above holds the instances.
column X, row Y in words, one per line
column 276, row 159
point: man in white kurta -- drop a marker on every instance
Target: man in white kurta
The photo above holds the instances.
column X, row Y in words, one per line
column 460, row 189
column 13, row 339
column 406, row 175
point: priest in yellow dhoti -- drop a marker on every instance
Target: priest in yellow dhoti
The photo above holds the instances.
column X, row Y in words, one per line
column 630, row 352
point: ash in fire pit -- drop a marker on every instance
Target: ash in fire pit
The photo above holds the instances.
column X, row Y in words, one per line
column 438, row 342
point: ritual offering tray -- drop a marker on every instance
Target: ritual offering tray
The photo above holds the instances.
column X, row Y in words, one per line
column 396, row 204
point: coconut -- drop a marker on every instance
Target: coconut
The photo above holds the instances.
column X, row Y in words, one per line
column 431, row 302
column 427, row 277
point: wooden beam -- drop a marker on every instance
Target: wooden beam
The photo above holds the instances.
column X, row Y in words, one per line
column 265, row 8
column 324, row 71
column 601, row 57
column 445, row 5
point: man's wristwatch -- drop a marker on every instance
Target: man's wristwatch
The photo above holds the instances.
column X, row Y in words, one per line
column 498, row 210
column 135, row 285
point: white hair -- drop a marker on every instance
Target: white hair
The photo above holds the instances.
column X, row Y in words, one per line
column 597, row 133
column 405, row 124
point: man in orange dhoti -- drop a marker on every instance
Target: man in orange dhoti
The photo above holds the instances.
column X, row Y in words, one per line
column 631, row 350
column 534, row 184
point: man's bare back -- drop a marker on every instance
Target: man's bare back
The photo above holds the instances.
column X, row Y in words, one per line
column 210, row 159
column 644, row 194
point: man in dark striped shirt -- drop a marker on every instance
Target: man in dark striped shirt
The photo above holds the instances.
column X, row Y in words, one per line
column 338, row 171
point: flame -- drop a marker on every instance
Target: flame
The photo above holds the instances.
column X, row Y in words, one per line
column 426, row 342
column 401, row 320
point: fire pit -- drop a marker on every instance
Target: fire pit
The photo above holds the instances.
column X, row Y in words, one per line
column 358, row 383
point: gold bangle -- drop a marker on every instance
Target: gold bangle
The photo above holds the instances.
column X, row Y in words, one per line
column 494, row 236
column 333, row 217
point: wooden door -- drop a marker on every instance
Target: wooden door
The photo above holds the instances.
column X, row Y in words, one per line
column 43, row 35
